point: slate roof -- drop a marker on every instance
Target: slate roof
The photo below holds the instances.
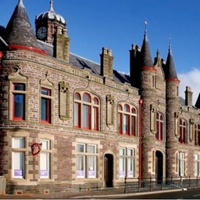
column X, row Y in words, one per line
column 145, row 53
column 82, row 63
column 19, row 30
column 170, row 71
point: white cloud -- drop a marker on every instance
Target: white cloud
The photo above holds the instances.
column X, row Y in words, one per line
column 191, row 79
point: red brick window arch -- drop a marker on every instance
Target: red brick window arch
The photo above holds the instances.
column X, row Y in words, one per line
column 182, row 130
column 197, row 134
column 159, row 126
column 127, row 119
column 86, row 111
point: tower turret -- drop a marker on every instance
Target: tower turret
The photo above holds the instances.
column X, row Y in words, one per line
column 172, row 113
column 48, row 24
column 19, row 33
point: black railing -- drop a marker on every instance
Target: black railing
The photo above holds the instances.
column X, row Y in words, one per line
column 149, row 184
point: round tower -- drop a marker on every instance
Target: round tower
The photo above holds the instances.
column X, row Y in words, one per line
column 148, row 95
column 172, row 114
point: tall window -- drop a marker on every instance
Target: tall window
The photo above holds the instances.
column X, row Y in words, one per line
column 86, row 111
column 86, row 161
column 45, row 159
column 159, row 126
column 182, row 128
column 181, row 163
column 197, row 164
column 18, row 92
column 45, row 105
column 127, row 119
column 197, row 134
column 18, row 157
column 126, row 162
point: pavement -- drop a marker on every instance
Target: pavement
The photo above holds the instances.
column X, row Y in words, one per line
column 112, row 193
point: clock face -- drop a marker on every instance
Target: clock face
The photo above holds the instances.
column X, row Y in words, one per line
column 41, row 32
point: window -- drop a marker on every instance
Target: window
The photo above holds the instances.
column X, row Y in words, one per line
column 182, row 127
column 126, row 119
column 196, row 164
column 18, row 93
column 181, row 163
column 45, row 159
column 159, row 126
column 18, row 157
column 45, row 105
column 197, row 134
column 126, row 162
column 86, row 111
column 86, row 161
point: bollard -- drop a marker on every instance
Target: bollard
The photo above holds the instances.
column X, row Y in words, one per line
column 125, row 189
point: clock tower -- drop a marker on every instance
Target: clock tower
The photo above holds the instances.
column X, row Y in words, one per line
column 48, row 24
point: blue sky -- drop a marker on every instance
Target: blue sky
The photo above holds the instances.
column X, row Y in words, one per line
column 116, row 24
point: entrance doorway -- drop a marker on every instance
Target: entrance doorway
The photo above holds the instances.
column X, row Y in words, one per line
column 108, row 170
column 159, row 166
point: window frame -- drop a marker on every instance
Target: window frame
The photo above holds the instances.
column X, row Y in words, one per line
column 86, row 167
column 45, row 173
column 181, row 162
column 127, row 119
column 159, row 126
column 18, row 150
column 196, row 164
column 86, row 112
column 197, row 134
column 47, row 99
column 127, row 162
column 182, row 131
column 14, row 93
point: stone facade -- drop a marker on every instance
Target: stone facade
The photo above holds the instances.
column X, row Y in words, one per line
column 148, row 99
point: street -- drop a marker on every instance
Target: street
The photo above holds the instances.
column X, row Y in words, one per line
column 188, row 194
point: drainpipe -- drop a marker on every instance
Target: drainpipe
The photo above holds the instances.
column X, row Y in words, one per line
column 140, row 141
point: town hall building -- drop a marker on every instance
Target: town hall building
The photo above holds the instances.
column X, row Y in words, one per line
column 66, row 121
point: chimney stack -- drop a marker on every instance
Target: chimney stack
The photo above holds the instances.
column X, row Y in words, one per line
column 188, row 96
column 106, row 63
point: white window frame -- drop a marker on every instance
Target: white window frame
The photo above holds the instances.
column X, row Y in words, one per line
column 181, row 164
column 18, row 157
column 196, row 164
column 126, row 162
column 45, row 156
column 86, row 160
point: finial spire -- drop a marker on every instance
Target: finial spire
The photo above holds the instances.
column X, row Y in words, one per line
column 145, row 29
column 20, row 3
column 51, row 5
column 170, row 49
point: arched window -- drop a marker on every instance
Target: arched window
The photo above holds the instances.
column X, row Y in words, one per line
column 197, row 134
column 86, row 111
column 159, row 126
column 182, row 128
column 127, row 119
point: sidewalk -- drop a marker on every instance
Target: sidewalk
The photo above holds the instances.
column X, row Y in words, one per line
column 112, row 193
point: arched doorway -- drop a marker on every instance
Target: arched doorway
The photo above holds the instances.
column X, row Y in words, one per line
column 159, row 167
column 108, row 170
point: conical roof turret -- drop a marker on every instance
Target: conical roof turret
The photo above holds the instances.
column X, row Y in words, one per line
column 19, row 32
column 170, row 70
column 146, row 60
